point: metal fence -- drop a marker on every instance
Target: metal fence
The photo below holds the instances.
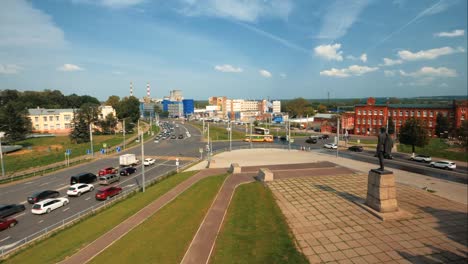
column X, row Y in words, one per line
column 98, row 207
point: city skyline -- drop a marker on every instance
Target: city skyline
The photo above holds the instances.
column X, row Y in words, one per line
column 253, row 49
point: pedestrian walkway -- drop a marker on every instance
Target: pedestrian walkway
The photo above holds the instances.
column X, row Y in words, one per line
column 104, row 241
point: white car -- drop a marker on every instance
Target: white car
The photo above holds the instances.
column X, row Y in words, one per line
column 149, row 161
column 46, row 206
column 79, row 188
column 443, row 164
column 421, row 158
column 330, row 146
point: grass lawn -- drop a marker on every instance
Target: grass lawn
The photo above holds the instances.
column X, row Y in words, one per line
column 438, row 148
column 255, row 230
column 166, row 235
column 220, row 132
column 70, row 240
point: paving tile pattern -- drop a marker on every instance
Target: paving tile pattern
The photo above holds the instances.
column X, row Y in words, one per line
column 329, row 227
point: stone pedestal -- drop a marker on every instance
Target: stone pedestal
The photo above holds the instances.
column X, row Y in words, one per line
column 235, row 168
column 265, row 175
column 381, row 191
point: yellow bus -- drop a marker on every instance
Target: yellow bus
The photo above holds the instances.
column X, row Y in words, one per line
column 259, row 138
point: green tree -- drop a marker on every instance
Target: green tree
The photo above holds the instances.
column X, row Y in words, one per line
column 413, row 133
column 14, row 121
column 391, row 126
column 299, row 107
column 442, row 124
column 461, row 133
column 108, row 124
column 113, row 101
column 129, row 107
column 321, row 108
column 80, row 132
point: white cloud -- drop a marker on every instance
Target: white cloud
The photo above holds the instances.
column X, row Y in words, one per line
column 248, row 11
column 389, row 73
column 22, row 25
column 339, row 17
column 283, row 75
column 363, row 57
column 9, row 69
column 452, row 34
column 265, row 73
column 390, row 62
column 111, row 3
column 228, row 68
column 428, row 54
column 69, row 68
column 329, row 52
column 431, row 72
column 353, row 70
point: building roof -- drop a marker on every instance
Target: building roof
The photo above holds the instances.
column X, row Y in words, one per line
column 430, row 106
column 325, row 116
column 43, row 111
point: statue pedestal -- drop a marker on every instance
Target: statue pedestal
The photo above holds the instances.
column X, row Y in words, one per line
column 381, row 191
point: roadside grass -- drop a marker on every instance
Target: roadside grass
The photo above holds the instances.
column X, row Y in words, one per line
column 364, row 141
column 255, row 230
column 220, row 133
column 165, row 236
column 438, row 148
column 68, row 241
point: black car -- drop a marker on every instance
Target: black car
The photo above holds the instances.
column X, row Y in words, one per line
column 324, row 137
column 181, row 136
column 86, row 177
column 10, row 209
column 127, row 171
column 39, row 196
column 356, row 148
column 311, row 140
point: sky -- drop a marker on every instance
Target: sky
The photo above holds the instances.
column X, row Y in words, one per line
column 251, row 49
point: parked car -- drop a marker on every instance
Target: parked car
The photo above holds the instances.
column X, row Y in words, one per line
column 149, row 161
column 311, row 140
column 181, row 136
column 423, row 158
column 39, row 196
column 86, row 177
column 7, row 223
column 10, row 209
column 330, row 146
column 127, row 171
column 107, row 193
column 79, row 188
column 324, row 137
column 108, row 170
column 48, row 205
column 173, row 137
column 109, row 179
column 356, row 148
column 443, row 164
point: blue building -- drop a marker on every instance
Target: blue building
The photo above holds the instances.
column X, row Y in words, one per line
column 189, row 107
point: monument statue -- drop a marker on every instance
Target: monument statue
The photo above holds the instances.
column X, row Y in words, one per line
column 382, row 145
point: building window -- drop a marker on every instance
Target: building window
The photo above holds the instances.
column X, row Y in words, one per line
column 363, row 121
column 51, row 118
column 46, row 126
column 401, row 113
column 389, row 113
column 57, row 126
column 380, row 121
column 425, row 113
column 357, row 130
column 431, row 114
column 374, row 122
column 394, row 112
column 381, row 112
column 364, row 112
column 406, row 113
column 430, row 123
column 57, row 118
column 44, row 118
column 462, row 118
column 374, row 130
column 369, row 121
column 36, row 119
column 67, row 125
column 375, row 112
column 399, row 122
column 463, row 110
column 358, row 121
column 419, row 113
column 37, row 127
column 67, row 117
column 359, row 112
column 412, row 113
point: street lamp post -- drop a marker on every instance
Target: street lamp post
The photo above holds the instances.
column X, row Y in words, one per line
column 289, row 134
column 250, row 134
column 142, row 160
column 230, row 136
column 1, row 154
column 123, row 125
column 91, row 138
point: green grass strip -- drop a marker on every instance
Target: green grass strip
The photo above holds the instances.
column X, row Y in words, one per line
column 68, row 241
column 165, row 236
column 255, row 230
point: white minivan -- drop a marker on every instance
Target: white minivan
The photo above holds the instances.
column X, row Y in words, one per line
column 48, row 205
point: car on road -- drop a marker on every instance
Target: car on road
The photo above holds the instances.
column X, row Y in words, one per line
column 311, row 140
column 39, row 196
column 356, row 148
column 86, row 177
column 156, row 141
column 330, row 146
column 443, row 164
column 109, row 179
column 181, row 136
column 421, row 158
column 107, row 193
column 7, row 223
column 10, row 209
column 79, row 188
column 173, row 137
column 149, row 161
column 323, row 137
column 48, row 205
column 108, row 170
column 127, row 171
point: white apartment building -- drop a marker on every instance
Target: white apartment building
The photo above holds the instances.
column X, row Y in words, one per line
column 276, row 106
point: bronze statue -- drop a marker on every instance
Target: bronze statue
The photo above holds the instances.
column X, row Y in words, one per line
column 382, row 144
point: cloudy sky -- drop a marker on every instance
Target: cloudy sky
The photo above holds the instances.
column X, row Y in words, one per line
column 240, row 49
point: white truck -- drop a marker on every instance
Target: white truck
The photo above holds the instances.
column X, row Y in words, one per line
column 128, row 160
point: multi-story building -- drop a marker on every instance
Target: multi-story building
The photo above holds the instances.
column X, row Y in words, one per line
column 175, row 109
column 370, row 117
column 276, row 106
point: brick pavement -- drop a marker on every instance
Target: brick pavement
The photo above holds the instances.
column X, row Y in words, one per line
column 106, row 240
column 329, row 227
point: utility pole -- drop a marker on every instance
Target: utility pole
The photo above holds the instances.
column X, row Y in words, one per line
column 142, row 160
column 337, row 135
column 1, row 154
column 230, row 136
column 91, row 138
column 209, row 147
column 250, row 134
column 289, row 134
column 123, row 133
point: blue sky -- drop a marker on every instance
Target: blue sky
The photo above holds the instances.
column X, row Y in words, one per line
column 241, row 49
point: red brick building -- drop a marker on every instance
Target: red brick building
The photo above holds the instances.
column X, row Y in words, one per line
column 370, row 117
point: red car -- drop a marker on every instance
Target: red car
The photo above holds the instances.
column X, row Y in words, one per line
column 109, row 170
column 106, row 193
column 7, row 223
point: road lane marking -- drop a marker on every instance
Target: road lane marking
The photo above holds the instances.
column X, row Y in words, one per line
column 62, row 188
column 66, row 209
column 28, row 182
column 20, row 215
column 40, row 221
column 44, row 184
column 6, row 238
column 24, row 202
column 88, row 198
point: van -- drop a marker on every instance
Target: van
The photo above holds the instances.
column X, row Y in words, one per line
column 109, row 179
column 86, row 177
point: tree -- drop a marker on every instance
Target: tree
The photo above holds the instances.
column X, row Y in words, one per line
column 461, row 133
column 391, row 126
column 299, row 107
column 14, row 121
column 442, row 124
column 108, row 124
column 321, row 109
column 129, row 107
column 113, row 101
column 414, row 133
column 80, row 131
